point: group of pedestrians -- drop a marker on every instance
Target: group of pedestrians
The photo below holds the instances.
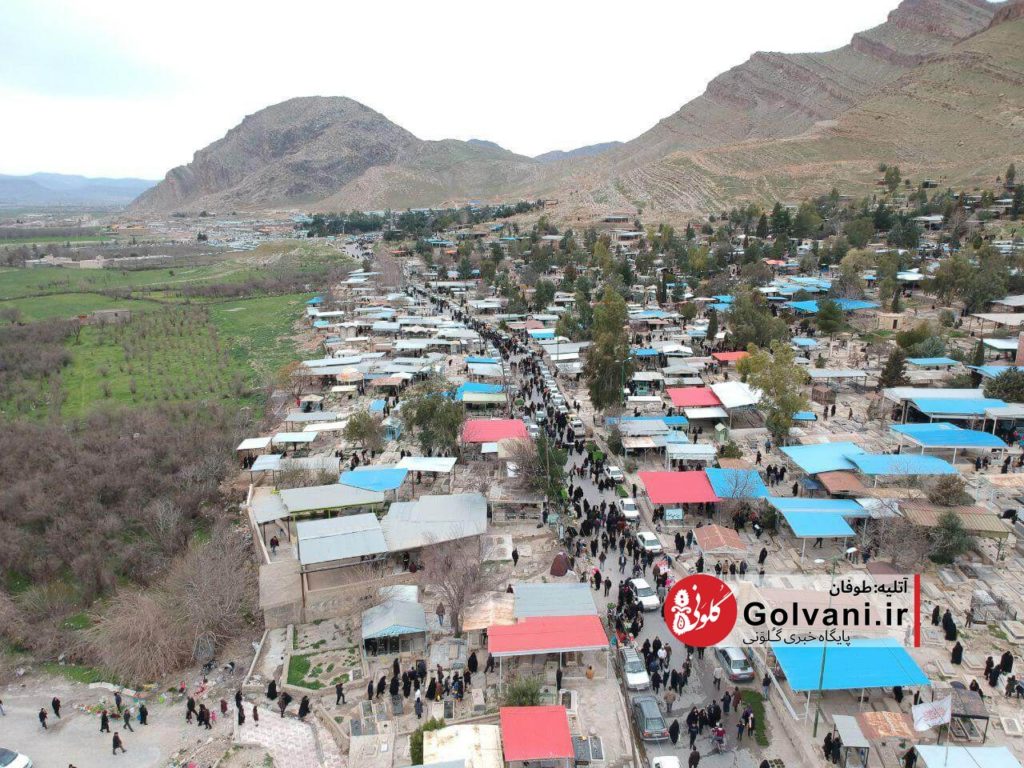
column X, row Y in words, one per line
column 122, row 712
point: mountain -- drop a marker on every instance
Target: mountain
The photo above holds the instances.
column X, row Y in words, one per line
column 591, row 150
column 53, row 189
column 332, row 151
column 936, row 89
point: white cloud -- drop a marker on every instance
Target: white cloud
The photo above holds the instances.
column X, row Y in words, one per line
column 128, row 88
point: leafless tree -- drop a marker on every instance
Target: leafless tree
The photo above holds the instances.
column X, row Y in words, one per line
column 453, row 571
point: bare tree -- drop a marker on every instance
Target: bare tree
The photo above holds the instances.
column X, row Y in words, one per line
column 454, row 572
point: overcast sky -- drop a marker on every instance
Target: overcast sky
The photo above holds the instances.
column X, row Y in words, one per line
column 129, row 88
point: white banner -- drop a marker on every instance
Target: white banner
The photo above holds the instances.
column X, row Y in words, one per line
column 932, row 713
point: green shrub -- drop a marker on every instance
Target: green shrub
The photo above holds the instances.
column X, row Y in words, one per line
column 416, row 739
column 522, row 692
column 753, row 698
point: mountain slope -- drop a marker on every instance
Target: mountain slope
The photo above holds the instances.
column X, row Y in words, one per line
column 591, row 150
column 958, row 117
column 336, row 150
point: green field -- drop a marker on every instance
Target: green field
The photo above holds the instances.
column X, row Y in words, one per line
column 68, row 305
column 214, row 352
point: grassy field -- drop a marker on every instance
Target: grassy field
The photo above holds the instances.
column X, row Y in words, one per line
column 68, row 305
column 221, row 352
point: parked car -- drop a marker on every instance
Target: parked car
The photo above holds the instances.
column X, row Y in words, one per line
column 577, row 425
column 735, row 663
column 633, row 670
column 629, row 509
column 665, row 761
column 648, row 542
column 648, row 719
column 11, row 759
column 645, row 595
column 615, row 473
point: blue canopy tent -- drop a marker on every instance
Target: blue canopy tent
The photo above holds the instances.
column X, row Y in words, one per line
column 901, row 465
column 817, row 525
column 825, row 457
column 941, row 434
column 865, row 663
column 375, row 478
column 955, row 407
column 932, row 362
column 736, row 483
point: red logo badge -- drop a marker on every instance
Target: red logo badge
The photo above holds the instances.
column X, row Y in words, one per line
column 700, row 610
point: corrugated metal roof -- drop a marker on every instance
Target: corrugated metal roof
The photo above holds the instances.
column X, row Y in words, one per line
column 392, row 618
column 433, row 519
column 318, row 497
column 339, row 538
column 533, row 599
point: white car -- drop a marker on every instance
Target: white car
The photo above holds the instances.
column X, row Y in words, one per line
column 636, row 676
column 629, row 509
column 645, row 595
column 648, row 542
column 665, row 761
column 11, row 759
column 577, row 424
column 615, row 473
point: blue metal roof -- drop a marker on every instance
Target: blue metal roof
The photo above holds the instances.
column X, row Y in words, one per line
column 847, row 305
column 721, row 306
column 724, row 298
column 374, row 478
column 473, row 359
column 377, row 406
column 736, row 483
column 862, row 664
column 644, row 352
column 902, row 464
column 991, row 371
column 825, row 457
column 805, row 416
column 802, row 341
column 806, row 525
column 944, row 406
column 932, row 361
column 844, row 507
column 477, row 388
column 944, row 435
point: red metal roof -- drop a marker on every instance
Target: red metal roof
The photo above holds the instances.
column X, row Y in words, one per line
column 493, row 430
column 549, row 634
column 693, row 397
column 717, row 539
column 729, row 357
column 535, row 733
column 677, row 487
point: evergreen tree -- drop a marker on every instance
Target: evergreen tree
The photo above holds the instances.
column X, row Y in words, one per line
column 712, row 326
column 762, row 227
column 609, row 364
column 830, row 317
column 894, row 374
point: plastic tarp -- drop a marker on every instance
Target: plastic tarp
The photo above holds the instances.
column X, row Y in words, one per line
column 823, row 457
column 539, row 734
column 678, row 487
column 549, row 634
column 943, row 435
column 901, row 464
column 375, row 478
column 863, row 664
column 806, row 525
column 736, row 483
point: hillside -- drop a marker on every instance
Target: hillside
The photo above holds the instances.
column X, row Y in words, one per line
column 958, row 117
column 53, row 189
column 305, row 150
column 776, row 126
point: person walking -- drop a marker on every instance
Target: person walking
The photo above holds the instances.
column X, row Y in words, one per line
column 104, row 722
column 255, row 716
column 304, row 707
column 42, row 718
column 143, row 714
column 673, row 732
column 339, row 694
column 55, row 704
column 717, row 677
column 418, row 706
column 117, row 700
column 766, row 686
column 126, row 716
column 515, row 557
column 694, row 760
column 241, row 716
column 118, row 744
column 558, row 679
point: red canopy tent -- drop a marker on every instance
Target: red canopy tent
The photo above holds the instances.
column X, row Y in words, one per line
column 536, row 733
column 678, row 487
